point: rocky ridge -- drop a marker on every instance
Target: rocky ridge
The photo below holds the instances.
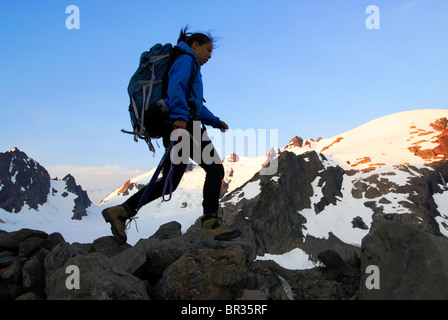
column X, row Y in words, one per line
column 193, row 266
column 167, row 265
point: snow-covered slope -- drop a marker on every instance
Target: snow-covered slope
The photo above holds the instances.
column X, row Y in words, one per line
column 387, row 141
column 56, row 216
column 380, row 147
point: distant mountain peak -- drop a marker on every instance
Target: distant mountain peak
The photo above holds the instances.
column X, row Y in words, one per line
column 416, row 137
column 23, row 181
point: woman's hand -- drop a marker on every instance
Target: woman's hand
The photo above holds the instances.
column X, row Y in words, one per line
column 223, row 127
column 179, row 124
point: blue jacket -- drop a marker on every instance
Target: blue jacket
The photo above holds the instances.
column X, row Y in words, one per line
column 179, row 77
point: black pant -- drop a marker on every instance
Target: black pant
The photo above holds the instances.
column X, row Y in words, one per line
column 214, row 170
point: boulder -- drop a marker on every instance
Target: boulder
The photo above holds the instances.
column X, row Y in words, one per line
column 168, row 230
column 59, row 255
column 412, row 263
column 99, row 280
column 33, row 278
column 108, row 246
column 205, row 274
column 13, row 240
column 134, row 259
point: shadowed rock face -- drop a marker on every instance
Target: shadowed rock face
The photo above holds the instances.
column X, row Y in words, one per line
column 82, row 200
column 271, row 220
column 22, row 181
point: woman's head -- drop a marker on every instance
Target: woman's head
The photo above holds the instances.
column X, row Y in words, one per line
column 200, row 43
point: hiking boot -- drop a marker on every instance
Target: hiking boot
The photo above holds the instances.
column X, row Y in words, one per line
column 211, row 224
column 117, row 217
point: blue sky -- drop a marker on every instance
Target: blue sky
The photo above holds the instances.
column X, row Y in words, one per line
column 306, row 68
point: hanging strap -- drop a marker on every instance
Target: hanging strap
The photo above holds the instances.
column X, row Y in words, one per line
column 151, row 183
column 169, row 178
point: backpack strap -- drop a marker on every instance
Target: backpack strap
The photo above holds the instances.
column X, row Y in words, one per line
column 176, row 54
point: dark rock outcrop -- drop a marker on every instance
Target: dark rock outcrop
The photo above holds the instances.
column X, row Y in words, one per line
column 270, row 220
column 420, row 208
column 22, row 181
column 296, row 142
column 82, row 201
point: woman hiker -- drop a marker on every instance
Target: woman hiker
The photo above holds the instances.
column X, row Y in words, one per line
column 180, row 100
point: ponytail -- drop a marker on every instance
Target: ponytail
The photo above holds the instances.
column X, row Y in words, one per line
column 190, row 38
column 184, row 35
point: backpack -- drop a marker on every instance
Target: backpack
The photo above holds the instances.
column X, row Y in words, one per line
column 147, row 91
